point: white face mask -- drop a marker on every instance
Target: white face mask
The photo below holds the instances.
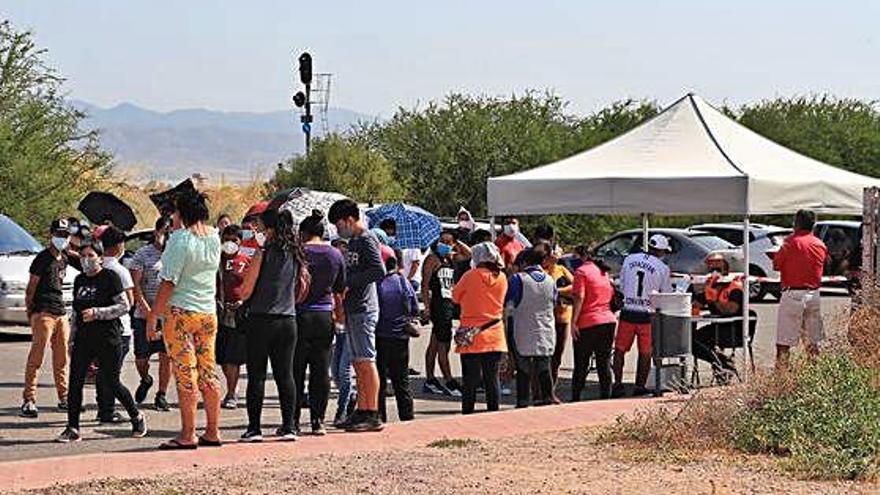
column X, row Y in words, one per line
column 230, row 247
column 90, row 265
column 345, row 231
column 60, row 243
column 511, row 230
column 261, row 238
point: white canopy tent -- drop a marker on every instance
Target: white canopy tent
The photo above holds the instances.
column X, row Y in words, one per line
column 689, row 159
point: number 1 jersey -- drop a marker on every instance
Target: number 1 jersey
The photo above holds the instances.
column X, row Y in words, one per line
column 642, row 274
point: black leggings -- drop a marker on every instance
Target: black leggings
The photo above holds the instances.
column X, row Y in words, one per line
column 270, row 337
column 535, row 368
column 313, row 346
column 108, row 354
column 480, row 369
column 392, row 361
column 593, row 341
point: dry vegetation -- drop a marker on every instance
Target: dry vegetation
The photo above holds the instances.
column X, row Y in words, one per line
column 821, row 419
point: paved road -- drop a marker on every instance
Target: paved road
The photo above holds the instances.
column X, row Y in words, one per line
column 23, row 438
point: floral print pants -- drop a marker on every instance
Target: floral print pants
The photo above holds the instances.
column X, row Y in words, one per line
column 189, row 340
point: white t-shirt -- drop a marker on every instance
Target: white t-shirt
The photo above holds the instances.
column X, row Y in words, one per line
column 410, row 256
column 113, row 264
column 641, row 275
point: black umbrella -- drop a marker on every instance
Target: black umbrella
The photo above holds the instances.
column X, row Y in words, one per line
column 164, row 200
column 99, row 207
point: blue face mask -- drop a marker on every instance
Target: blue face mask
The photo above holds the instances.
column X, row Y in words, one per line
column 247, row 234
column 443, row 250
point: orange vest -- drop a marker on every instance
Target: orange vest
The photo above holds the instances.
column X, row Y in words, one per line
column 722, row 293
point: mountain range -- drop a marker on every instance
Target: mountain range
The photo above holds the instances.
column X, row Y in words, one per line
column 151, row 145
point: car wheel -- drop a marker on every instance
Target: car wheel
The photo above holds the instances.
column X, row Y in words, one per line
column 757, row 290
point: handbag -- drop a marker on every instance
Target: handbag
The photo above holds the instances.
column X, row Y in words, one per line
column 303, row 284
column 616, row 303
column 464, row 336
column 410, row 328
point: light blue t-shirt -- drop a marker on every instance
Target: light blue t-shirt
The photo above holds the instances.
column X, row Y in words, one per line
column 190, row 262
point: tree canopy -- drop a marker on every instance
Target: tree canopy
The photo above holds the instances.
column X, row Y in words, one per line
column 46, row 162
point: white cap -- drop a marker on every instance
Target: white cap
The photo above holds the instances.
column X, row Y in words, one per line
column 659, row 242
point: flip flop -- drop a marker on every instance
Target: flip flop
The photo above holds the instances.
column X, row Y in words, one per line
column 175, row 444
column 204, row 442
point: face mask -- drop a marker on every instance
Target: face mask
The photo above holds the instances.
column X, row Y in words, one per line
column 443, row 250
column 90, row 265
column 60, row 243
column 247, row 234
column 346, row 232
column 230, row 247
column 260, row 238
column 511, row 230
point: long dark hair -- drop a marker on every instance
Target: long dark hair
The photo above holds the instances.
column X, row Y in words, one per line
column 313, row 225
column 284, row 235
column 587, row 253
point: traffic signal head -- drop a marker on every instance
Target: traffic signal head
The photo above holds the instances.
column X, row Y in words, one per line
column 299, row 99
column 305, row 68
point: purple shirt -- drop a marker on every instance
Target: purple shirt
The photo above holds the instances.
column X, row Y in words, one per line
column 327, row 268
column 396, row 295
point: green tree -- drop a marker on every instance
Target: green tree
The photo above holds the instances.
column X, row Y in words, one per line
column 341, row 165
column 47, row 163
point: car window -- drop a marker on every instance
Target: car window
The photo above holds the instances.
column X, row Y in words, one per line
column 14, row 239
column 711, row 242
column 619, row 246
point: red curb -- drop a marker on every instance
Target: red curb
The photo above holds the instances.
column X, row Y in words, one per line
column 41, row 473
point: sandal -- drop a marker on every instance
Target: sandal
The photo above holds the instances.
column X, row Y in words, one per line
column 204, row 442
column 175, row 444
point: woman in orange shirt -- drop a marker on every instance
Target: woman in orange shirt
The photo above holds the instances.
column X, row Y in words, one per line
column 480, row 341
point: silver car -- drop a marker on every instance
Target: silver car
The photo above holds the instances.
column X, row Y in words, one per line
column 17, row 250
column 762, row 238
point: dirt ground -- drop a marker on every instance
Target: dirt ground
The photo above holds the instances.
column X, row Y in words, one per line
column 563, row 462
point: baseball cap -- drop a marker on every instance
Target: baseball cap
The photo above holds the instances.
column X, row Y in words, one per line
column 659, row 242
column 59, row 224
column 257, row 209
column 386, row 253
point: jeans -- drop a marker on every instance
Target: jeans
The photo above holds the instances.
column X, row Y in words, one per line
column 361, row 328
column 538, row 368
column 392, row 360
column 107, row 353
column 340, row 368
column 271, row 337
column 480, row 368
column 313, row 352
column 104, row 394
column 593, row 341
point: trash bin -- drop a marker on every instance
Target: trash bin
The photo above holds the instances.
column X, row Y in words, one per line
column 670, row 338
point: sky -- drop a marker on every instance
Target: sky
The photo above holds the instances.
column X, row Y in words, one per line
column 241, row 55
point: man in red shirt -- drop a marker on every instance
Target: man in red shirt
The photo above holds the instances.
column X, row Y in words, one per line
column 507, row 242
column 800, row 262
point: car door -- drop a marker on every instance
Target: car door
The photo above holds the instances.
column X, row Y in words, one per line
column 613, row 251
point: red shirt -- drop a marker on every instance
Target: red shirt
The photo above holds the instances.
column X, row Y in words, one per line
column 801, row 260
column 510, row 248
column 595, row 287
column 233, row 275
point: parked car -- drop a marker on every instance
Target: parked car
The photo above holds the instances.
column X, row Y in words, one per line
column 18, row 249
column 689, row 249
column 762, row 238
column 844, row 241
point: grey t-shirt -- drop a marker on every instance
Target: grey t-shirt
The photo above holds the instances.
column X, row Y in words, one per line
column 148, row 261
column 364, row 268
column 275, row 292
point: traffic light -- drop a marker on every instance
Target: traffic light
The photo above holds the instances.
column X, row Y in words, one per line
column 299, row 99
column 305, row 68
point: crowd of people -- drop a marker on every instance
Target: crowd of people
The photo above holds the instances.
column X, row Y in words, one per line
column 273, row 291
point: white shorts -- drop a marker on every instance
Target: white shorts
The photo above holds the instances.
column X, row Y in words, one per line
column 800, row 315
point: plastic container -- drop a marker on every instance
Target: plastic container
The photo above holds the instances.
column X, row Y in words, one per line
column 671, row 328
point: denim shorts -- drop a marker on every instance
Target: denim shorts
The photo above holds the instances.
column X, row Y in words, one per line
column 361, row 329
column 144, row 348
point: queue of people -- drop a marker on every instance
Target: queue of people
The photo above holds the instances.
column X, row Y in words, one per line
column 272, row 291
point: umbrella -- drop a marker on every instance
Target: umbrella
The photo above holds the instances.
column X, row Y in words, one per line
column 300, row 202
column 164, row 200
column 416, row 228
column 98, row 207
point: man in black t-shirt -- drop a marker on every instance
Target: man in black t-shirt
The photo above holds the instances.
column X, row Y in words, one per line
column 45, row 309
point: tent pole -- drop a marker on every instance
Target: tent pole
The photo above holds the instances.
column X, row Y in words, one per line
column 746, row 299
column 644, row 232
column 492, row 227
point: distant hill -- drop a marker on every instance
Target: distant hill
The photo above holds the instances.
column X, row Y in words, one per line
column 173, row 145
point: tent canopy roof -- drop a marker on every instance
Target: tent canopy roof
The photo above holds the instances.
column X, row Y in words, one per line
column 689, row 159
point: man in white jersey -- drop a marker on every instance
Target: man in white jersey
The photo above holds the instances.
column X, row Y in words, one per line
column 641, row 275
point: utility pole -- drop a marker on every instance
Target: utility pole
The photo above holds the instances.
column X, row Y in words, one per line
column 301, row 99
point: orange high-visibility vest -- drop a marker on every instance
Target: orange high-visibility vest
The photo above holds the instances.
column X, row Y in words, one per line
column 723, row 291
